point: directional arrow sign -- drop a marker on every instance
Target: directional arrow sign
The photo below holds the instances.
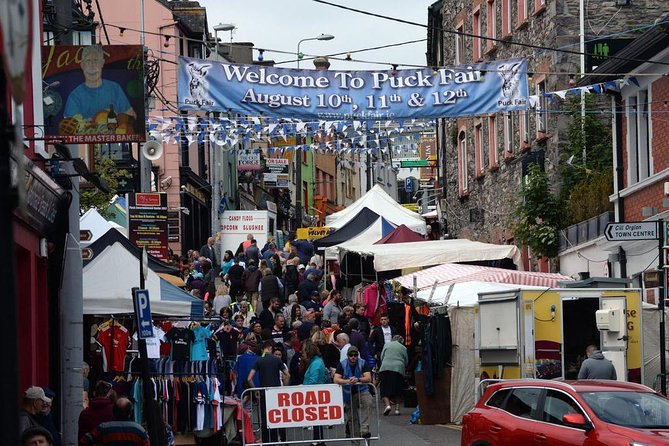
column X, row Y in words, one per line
column 143, row 314
column 639, row 230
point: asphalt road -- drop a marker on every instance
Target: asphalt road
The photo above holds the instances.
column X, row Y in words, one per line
column 397, row 431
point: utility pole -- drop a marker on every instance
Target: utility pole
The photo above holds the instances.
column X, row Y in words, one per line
column 71, row 300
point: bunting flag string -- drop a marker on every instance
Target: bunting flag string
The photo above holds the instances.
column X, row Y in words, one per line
column 325, row 136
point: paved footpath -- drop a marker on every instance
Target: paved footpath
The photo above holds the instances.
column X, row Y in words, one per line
column 397, row 431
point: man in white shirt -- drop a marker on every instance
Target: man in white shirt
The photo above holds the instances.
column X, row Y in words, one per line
column 343, row 344
column 380, row 336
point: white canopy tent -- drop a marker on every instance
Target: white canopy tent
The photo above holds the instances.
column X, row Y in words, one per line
column 383, row 204
column 98, row 225
column 431, row 252
column 110, row 276
column 374, row 233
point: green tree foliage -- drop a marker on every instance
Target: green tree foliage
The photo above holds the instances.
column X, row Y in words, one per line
column 92, row 197
column 587, row 186
column 538, row 214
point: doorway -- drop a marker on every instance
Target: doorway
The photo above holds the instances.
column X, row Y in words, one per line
column 579, row 330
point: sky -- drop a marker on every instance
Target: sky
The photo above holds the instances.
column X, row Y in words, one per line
column 280, row 25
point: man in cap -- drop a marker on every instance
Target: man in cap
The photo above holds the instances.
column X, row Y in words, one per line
column 36, row 436
column 34, row 400
column 353, row 373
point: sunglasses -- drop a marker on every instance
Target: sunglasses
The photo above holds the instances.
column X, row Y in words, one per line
column 352, row 355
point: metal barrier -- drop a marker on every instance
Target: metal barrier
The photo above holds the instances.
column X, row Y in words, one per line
column 312, row 414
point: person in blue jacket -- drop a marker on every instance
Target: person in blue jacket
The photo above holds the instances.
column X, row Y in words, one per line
column 316, row 374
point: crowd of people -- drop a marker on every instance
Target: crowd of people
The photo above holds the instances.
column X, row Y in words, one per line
column 275, row 319
column 276, row 301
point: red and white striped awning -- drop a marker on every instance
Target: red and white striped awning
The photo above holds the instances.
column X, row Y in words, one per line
column 449, row 273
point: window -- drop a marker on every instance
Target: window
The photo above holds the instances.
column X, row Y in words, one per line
column 478, row 150
column 476, row 30
column 524, row 129
column 522, row 12
column 463, row 161
column 507, row 12
column 523, row 402
column 460, row 44
column 556, row 405
column 542, row 110
column 508, row 132
column 491, row 24
column 498, row 398
column 492, row 141
column 539, row 6
column 638, row 131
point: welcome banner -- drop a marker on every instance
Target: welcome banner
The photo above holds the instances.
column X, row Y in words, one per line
column 385, row 94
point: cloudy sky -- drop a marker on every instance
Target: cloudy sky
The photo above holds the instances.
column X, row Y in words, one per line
column 280, row 25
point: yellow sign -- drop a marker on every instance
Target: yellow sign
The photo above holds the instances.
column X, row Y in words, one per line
column 314, row 232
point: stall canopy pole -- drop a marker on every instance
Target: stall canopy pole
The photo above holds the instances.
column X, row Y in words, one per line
column 434, row 287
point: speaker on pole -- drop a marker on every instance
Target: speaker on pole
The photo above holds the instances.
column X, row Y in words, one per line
column 152, row 149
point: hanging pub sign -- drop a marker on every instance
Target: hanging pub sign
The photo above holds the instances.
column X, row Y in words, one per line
column 93, row 93
column 249, row 160
column 276, row 172
column 474, row 89
column 147, row 223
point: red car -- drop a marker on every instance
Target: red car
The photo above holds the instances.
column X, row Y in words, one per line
column 561, row 413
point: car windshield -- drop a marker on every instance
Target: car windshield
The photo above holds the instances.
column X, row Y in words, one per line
column 630, row 409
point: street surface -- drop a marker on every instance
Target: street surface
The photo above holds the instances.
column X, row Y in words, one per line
column 397, row 431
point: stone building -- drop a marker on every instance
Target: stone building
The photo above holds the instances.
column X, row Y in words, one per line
column 486, row 157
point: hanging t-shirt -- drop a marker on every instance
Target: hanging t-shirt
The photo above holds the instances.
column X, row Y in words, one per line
column 180, row 340
column 153, row 344
column 165, row 345
column 198, row 350
column 114, row 340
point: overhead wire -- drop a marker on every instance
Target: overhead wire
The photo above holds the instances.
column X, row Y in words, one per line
column 490, row 38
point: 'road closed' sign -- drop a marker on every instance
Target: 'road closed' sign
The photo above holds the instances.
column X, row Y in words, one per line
column 304, row 406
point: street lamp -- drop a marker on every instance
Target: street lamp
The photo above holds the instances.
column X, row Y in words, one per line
column 223, row 27
column 321, row 37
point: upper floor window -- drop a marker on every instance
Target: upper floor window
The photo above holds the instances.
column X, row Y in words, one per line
column 460, row 44
column 476, row 30
column 542, row 110
column 492, row 141
column 638, row 137
column 479, row 160
column 508, row 132
column 463, row 162
column 522, row 12
column 491, row 24
column 507, row 12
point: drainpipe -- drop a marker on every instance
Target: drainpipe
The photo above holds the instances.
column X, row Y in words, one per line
column 620, row 173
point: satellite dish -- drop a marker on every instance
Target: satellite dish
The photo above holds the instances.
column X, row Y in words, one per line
column 152, row 149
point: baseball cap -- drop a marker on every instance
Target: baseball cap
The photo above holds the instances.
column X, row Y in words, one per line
column 353, row 349
column 301, row 267
column 36, row 393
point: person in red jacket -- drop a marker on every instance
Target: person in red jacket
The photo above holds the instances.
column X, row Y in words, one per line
column 99, row 410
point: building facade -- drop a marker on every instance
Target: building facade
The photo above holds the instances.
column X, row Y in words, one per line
column 484, row 159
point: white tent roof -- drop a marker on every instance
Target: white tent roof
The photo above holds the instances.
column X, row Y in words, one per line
column 431, row 252
column 96, row 223
column 110, row 276
column 383, row 204
column 466, row 294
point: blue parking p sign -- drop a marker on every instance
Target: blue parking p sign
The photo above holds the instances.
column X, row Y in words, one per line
column 143, row 314
column 408, row 185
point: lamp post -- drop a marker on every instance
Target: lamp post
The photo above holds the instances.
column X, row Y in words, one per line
column 298, row 141
column 223, row 27
column 321, row 37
